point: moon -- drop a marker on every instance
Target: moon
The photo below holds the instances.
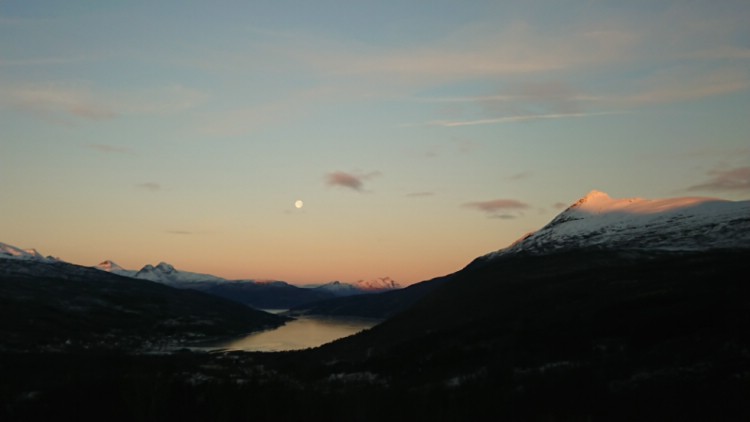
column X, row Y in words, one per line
column 298, row 203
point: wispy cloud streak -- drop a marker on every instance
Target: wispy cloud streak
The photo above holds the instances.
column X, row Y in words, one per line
column 496, row 205
column 520, row 176
column 516, row 119
column 150, row 186
column 349, row 180
column 419, row 194
column 179, row 232
column 737, row 179
column 109, row 149
column 76, row 102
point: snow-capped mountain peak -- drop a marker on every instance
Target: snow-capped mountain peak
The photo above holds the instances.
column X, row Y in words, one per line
column 34, row 253
column 13, row 252
column 600, row 221
column 167, row 274
column 109, row 266
column 597, row 202
column 112, row 267
column 593, row 197
column 377, row 284
column 165, row 268
column 337, row 288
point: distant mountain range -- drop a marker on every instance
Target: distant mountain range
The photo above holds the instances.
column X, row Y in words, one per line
column 375, row 285
column 261, row 294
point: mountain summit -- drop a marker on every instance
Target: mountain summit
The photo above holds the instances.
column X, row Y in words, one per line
column 12, row 252
column 168, row 274
column 377, row 284
column 602, row 222
column 112, row 267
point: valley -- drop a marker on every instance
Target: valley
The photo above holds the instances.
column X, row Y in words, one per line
column 301, row 333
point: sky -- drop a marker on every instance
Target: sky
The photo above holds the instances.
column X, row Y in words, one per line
column 419, row 135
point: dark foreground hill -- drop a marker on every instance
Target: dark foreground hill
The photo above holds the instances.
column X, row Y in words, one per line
column 579, row 335
column 593, row 333
column 58, row 306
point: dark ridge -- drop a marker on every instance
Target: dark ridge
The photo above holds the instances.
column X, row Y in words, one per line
column 60, row 306
column 377, row 305
column 260, row 295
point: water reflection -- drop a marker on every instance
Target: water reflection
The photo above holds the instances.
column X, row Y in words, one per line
column 301, row 333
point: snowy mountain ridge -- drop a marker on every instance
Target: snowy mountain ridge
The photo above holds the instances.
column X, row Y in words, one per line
column 336, row 287
column 167, row 274
column 112, row 267
column 12, row 252
column 339, row 288
column 672, row 224
column 377, row 284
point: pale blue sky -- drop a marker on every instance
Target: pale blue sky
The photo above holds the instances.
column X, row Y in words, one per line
column 419, row 134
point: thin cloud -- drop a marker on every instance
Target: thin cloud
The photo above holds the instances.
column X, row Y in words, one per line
column 737, row 179
column 39, row 61
column 496, row 205
column 474, row 51
column 81, row 101
column 550, row 96
column 73, row 101
column 419, row 194
column 545, row 99
column 560, row 205
column 554, row 99
column 688, row 84
column 713, row 152
column 164, row 100
column 465, row 145
column 520, row 176
column 504, row 216
column 349, row 180
column 239, row 121
column 720, row 53
column 179, row 232
column 109, row 149
column 516, row 119
column 682, row 54
column 151, row 186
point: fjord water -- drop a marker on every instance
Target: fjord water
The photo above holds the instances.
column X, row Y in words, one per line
column 302, row 333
